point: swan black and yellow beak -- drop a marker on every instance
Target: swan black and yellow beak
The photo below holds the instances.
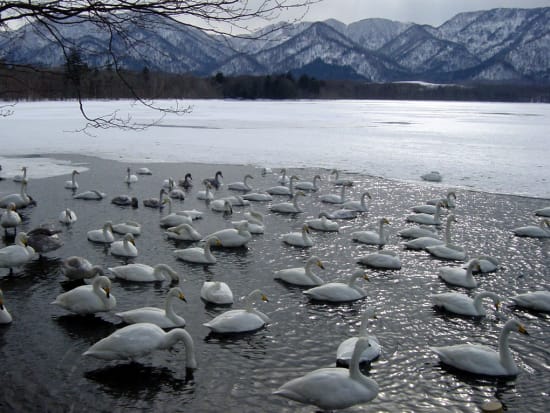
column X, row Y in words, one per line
column 107, row 291
column 182, row 297
column 522, row 330
column 264, row 298
column 366, row 277
column 320, row 265
column 497, row 305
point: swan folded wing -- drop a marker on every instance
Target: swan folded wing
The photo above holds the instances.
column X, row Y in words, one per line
column 151, row 315
column 235, row 321
column 474, row 358
column 125, row 343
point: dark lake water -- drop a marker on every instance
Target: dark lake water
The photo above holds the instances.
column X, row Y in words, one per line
column 41, row 351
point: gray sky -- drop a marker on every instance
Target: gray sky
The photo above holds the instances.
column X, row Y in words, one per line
column 433, row 12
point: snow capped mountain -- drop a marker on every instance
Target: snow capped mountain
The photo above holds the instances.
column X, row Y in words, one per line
column 492, row 45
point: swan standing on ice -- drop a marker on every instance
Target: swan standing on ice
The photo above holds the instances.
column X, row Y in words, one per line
column 480, row 359
column 232, row 237
column 460, row 276
column 72, row 184
column 10, row 219
column 163, row 317
column 67, row 216
column 17, row 254
column 241, row 186
column 309, row 186
column 242, row 320
column 104, row 235
column 183, row 232
column 216, row 292
column 384, row 260
column 145, row 273
column 88, row 299
column 462, row 304
column 333, row 388
column 284, row 190
column 299, row 239
column 359, row 206
column 344, row 352
column 428, row 219
column 125, row 248
column 302, row 276
column 288, row 207
column 141, row 339
column 199, row 255
column 536, row 300
column 5, row 316
column 372, row 237
column 130, row 178
column 338, row 292
column 323, row 223
column 541, row 231
column 335, row 199
column 92, row 195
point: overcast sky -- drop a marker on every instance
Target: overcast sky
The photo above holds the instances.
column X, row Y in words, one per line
column 433, row 12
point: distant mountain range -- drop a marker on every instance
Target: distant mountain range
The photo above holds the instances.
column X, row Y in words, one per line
column 499, row 45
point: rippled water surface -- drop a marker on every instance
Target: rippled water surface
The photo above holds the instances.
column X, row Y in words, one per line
column 41, row 351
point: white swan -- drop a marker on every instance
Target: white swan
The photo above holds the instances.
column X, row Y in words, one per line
column 428, row 219
column 155, row 202
column 283, row 178
column 432, row 176
column 462, row 304
column 480, row 359
column 128, row 227
column 67, row 216
column 242, row 320
column 163, row 317
column 372, row 237
column 336, row 181
column 289, row 207
column 199, row 255
column 144, row 171
column 141, row 339
column 125, row 248
column 173, row 219
column 450, row 199
column 20, row 200
column 459, row 276
column 10, row 218
column 333, row 198
column 17, row 254
column 333, row 387
column 447, row 251
column 216, row 292
column 534, row 231
column 21, row 178
column 536, row 300
column 385, row 260
column 298, row 239
column 79, row 268
column 309, row 186
column 422, row 243
column 88, row 299
column 72, row 184
column 255, row 221
column 284, row 190
column 418, row 232
column 342, row 213
column 302, row 276
column 175, row 193
column 92, row 195
column 183, row 232
column 344, row 352
column 359, row 206
column 241, row 186
column 257, row 197
column 206, row 195
column 5, row 316
column 543, row 212
column 237, row 200
column 486, row 264
column 130, row 178
column 215, row 182
column 323, row 223
column 221, row 205
column 104, row 235
column 145, row 273
column 339, row 292
column 232, row 237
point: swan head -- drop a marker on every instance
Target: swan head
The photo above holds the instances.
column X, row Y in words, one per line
column 359, row 274
column 385, row 221
column 317, row 262
column 452, row 218
column 219, row 173
column 75, row 172
column 300, row 193
column 105, row 284
column 130, row 238
column 305, row 228
column 11, row 207
column 176, row 292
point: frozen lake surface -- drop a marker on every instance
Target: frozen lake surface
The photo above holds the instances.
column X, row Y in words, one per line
column 492, row 147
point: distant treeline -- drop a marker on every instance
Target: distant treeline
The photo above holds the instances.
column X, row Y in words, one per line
column 77, row 80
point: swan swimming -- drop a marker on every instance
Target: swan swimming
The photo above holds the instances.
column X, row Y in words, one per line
column 283, row 190
column 257, row 197
column 88, row 299
column 67, row 216
column 241, row 186
column 337, row 181
column 141, row 339
column 72, row 184
column 79, row 268
column 536, row 300
column 384, row 260
column 18, row 254
column 216, row 292
column 418, row 232
column 232, row 237
column 215, row 182
column 125, row 248
column 10, row 219
column 462, row 304
column 92, row 195
column 21, row 178
column 339, row 292
column 199, row 255
column 283, row 178
column 335, row 199
column 299, row 239
column 359, row 206
column 428, row 219
column 44, row 239
column 186, row 182
column 534, row 231
column 144, row 171
column 372, row 237
column 155, row 202
column 432, row 176
column 450, row 200
column 480, row 359
column 447, row 251
column 145, row 273
column 206, row 195
column 323, row 223
column 459, row 276
column 183, row 232
column 20, row 200
column 125, row 200
column 333, row 387
column 255, row 221
column 163, row 317
column 302, row 276
column 344, row 352
column 173, row 219
column 242, row 320
column 543, row 212
column 104, row 235
column 309, row 186
column 130, row 178
column 288, row 207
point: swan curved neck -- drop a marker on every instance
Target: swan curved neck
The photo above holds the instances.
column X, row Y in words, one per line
column 295, row 203
column 448, row 231
column 355, row 372
column 479, row 298
column 179, row 334
column 504, row 349
column 207, row 250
